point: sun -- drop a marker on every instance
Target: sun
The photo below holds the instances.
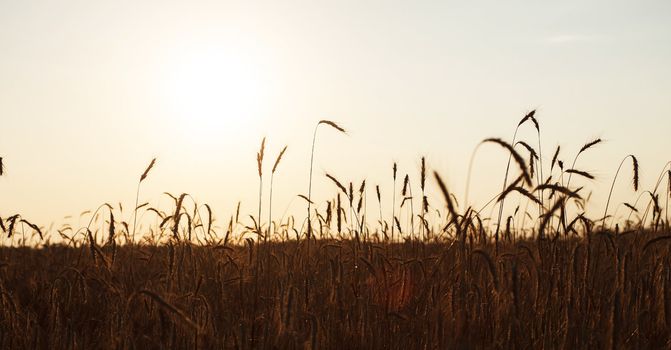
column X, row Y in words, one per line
column 215, row 93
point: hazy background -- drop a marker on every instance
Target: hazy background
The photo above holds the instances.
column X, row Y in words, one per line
column 90, row 91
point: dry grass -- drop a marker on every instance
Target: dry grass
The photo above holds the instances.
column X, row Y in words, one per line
column 530, row 295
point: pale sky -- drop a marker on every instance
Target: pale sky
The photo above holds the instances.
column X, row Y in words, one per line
column 91, row 91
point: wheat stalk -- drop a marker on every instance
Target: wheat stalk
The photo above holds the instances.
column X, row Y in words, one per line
column 519, row 160
column 270, row 199
column 516, row 156
column 137, row 196
column 393, row 200
column 259, row 163
column 581, row 173
column 312, row 157
column 584, row 148
column 407, row 189
column 612, row 186
column 379, row 205
column 448, row 200
column 337, row 183
column 422, row 183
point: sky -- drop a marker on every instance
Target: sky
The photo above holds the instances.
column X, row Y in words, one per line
column 91, row 91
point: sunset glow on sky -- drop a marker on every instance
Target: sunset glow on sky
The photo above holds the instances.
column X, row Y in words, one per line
column 91, row 91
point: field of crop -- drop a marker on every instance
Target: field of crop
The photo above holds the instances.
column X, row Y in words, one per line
column 545, row 277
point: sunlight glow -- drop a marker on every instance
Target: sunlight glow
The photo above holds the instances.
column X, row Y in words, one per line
column 215, row 93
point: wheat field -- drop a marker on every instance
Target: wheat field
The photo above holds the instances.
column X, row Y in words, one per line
column 546, row 276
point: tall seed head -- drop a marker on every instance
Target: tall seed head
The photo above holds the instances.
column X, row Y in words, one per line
column 589, row 145
column 328, row 212
column 635, row 179
column 259, row 157
column 340, row 186
column 111, row 228
column 554, row 158
column 423, row 174
column 146, row 172
column 516, row 156
column 279, row 158
column 406, row 180
column 533, row 120
column 529, row 115
column 362, row 187
column 339, row 213
column 333, row 125
column 446, row 194
column 12, row 221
